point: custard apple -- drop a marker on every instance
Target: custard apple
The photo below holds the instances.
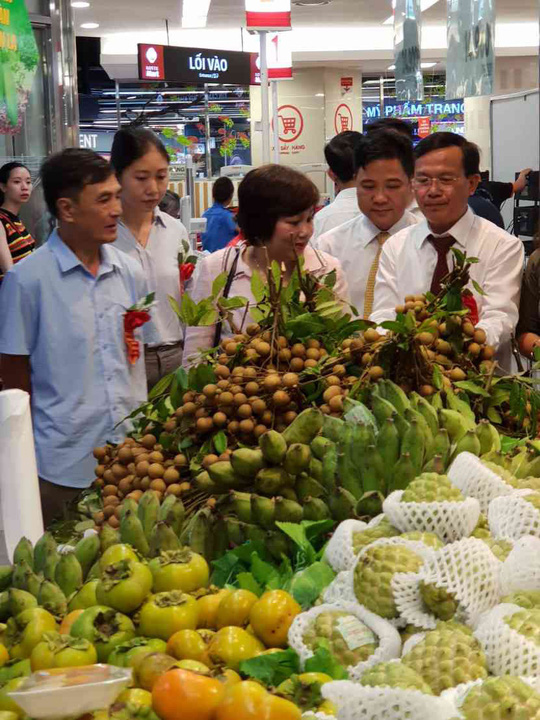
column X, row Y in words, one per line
column 534, row 499
column 430, row 487
column 438, row 600
column 481, row 531
column 429, row 539
column 503, row 473
column 374, row 572
column 502, row 698
column 408, row 632
column 528, row 599
column 529, row 483
column 349, row 640
column 526, row 623
column 383, row 530
column 447, row 656
column 395, row 675
column 500, row 548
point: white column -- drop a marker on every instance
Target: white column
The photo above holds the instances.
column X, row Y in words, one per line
column 264, row 101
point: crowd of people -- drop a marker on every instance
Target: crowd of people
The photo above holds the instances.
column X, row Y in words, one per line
column 389, row 233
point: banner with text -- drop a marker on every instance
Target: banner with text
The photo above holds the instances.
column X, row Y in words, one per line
column 268, row 15
column 470, row 61
column 279, row 58
column 407, row 44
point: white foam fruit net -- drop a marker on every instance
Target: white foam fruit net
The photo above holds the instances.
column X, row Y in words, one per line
column 339, row 552
column 310, row 715
column 457, row 695
column 389, row 641
column 356, row 702
column 521, row 569
column 467, row 569
column 416, row 546
column 474, row 479
column 340, row 589
column 510, row 518
column 507, row 652
column 451, row 521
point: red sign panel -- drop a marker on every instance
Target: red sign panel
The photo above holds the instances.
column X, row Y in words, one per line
column 151, row 62
column 346, row 82
column 343, row 119
column 424, row 127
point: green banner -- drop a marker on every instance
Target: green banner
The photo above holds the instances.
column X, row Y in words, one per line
column 19, row 58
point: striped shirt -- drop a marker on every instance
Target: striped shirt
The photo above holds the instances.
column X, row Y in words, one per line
column 19, row 240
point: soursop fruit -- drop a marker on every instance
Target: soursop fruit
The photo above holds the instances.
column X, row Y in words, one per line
column 528, row 599
column 429, row 539
column 502, row 698
column 438, row 601
column 526, row 623
column 447, row 656
column 374, row 572
column 430, row 487
column 349, row 640
column 365, row 537
column 395, row 675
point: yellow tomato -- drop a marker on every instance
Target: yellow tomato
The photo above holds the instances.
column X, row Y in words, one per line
column 272, row 616
column 235, row 608
column 137, row 697
column 194, row 666
column 188, row 645
column 208, row 606
column 67, row 622
column 250, row 701
column 231, row 645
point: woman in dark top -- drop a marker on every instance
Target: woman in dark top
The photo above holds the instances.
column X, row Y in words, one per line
column 15, row 240
column 528, row 329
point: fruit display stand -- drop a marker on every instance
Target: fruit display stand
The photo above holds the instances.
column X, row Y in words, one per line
column 320, row 519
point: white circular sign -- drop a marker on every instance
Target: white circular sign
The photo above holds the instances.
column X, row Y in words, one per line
column 151, row 55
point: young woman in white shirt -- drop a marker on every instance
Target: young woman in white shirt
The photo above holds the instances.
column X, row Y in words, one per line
column 276, row 205
column 152, row 237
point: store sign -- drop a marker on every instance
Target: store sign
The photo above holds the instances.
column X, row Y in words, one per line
column 290, row 130
column 278, row 57
column 268, row 15
column 343, row 119
column 424, row 127
column 193, row 65
column 372, row 111
column 470, row 61
column 346, row 85
column 407, row 44
column 19, row 59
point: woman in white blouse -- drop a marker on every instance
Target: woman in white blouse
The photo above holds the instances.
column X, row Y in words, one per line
column 152, row 237
column 275, row 215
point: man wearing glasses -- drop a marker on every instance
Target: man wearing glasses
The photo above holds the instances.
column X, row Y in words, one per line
column 415, row 260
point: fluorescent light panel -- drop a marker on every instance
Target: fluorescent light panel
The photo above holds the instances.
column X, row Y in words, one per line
column 195, row 13
column 424, row 66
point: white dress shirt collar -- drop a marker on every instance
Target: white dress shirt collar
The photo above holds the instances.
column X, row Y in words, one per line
column 460, row 231
column 346, row 194
column 371, row 230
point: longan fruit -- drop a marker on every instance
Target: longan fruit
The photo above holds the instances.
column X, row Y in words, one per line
column 250, row 373
column 310, row 363
column 99, row 453
column 99, row 518
column 280, row 398
column 427, row 390
column 371, row 335
column 376, row 372
column 240, row 399
column 366, row 358
column 226, row 455
column 204, row 424
column 290, row 416
column 313, row 343
column 156, row 457
column 245, row 411
column 231, row 348
column 174, row 489
column 290, row 380
column 480, row 336
column 252, row 329
column 145, row 483
column 336, row 403
column 332, row 380
column 266, row 336
column 325, row 409
column 332, row 391
column 108, row 511
column 210, row 390
column 443, row 347
column 224, row 384
column 158, row 486
column 220, row 419
column 271, row 382
column 189, row 408
column 252, row 388
column 457, row 374
column 209, row 460
column 297, row 364
column 111, row 500
column 233, row 427
column 98, row 482
column 170, row 425
column 222, row 371
column 201, row 413
column 313, row 354
column 260, row 430
column 263, row 348
column 340, row 371
column 136, row 495
column 181, row 460
column 247, row 427
column 285, row 355
column 109, row 477
column 171, row 476
column 425, row 338
column 298, row 350
column 267, row 418
column 238, row 372
column 148, row 441
column 99, row 470
column 109, row 490
column 474, row 349
column 226, row 398
column 137, row 483
column 156, row 470
column 125, row 485
column 125, row 455
column 488, row 352
column 468, row 328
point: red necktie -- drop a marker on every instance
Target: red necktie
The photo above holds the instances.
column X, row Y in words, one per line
column 442, row 245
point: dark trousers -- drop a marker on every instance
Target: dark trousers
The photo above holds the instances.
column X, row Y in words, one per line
column 54, row 500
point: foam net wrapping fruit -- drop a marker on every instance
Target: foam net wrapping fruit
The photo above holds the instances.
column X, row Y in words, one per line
column 458, row 695
column 476, row 480
column 507, row 635
column 462, row 578
column 310, row 715
column 339, row 552
column 340, row 589
column 510, row 518
column 521, row 569
column 451, row 521
column 354, row 628
column 356, row 702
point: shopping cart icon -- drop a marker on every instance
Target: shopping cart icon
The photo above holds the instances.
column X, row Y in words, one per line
column 289, row 124
column 344, row 120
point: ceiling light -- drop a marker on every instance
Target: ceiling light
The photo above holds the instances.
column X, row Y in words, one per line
column 391, row 67
column 90, row 26
column 310, row 3
column 427, row 65
column 80, row 4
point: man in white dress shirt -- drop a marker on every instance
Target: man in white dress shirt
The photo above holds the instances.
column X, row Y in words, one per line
column 447, row 173
column 386, row 164
column 340, row 154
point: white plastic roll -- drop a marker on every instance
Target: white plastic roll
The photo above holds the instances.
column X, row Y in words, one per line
column 20, row 502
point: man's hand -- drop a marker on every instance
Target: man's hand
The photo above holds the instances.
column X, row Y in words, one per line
column 15, row 372
column 521, row 181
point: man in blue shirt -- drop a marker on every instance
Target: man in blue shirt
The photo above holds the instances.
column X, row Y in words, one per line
column 220, row 228
column 62, row 331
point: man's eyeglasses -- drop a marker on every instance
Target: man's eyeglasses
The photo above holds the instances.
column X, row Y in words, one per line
column 445, row 181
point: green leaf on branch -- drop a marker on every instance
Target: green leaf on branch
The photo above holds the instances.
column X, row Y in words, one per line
column 246, row 581
column 396, row 326
column 201, row 375
column 308, row 584
column 218, row 284
column 478, row 289
column 323, row 661
column 161, row 387
column 233, row 303
column 330, row 279
column 472, row 388
column 437, row 377
column 220, row 442
column 494, row 416
column 272, row 670
column 258, row 288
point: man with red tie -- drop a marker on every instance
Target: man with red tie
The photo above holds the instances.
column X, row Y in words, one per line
column 415, row 260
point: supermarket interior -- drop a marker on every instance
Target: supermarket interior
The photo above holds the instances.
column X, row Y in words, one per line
column 269, row 360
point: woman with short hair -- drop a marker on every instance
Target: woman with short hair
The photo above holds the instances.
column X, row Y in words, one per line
column 276, row 205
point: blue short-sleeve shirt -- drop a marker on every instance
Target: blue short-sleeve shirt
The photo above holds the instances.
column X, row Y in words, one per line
column 220, row 228
column 70, row 324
